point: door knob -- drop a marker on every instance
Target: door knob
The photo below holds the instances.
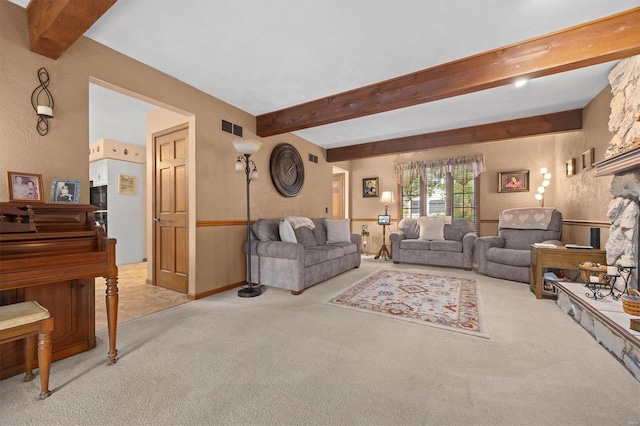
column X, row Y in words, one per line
column 157, row 219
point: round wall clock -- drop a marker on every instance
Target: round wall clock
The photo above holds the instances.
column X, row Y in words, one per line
column 287, row 170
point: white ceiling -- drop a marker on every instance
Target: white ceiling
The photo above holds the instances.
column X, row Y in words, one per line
column 262, row 56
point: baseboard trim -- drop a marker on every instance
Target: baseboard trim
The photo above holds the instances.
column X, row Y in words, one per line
column 215, row 291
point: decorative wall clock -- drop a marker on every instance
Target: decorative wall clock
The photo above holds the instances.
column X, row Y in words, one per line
column 287, row 170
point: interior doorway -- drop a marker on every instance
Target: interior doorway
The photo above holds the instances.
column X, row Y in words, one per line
column 120, row 115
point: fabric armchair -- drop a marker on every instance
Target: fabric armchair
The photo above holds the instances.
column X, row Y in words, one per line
column 508, row 255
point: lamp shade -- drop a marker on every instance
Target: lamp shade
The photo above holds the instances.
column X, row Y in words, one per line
column 246, row 146
column 387, row 197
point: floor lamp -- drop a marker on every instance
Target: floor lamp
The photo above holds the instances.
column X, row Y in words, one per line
column 386, row 198
column 248, row 148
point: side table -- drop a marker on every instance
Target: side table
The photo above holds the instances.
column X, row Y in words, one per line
column 559, row 257
column 384, row 252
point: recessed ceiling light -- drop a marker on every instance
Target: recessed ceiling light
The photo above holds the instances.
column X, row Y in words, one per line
column 521, row 82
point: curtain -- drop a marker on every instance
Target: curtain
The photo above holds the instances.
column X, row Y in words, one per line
column 405, row 173
column 462, row 169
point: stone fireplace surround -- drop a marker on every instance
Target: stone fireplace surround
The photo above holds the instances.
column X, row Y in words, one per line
column 622, row 160
column 624, row 208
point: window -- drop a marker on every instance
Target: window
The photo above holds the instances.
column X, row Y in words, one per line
column 411, row 199
column 446, row 196
column 446, row 186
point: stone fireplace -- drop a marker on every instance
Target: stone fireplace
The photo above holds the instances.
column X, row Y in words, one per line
column 622, row 160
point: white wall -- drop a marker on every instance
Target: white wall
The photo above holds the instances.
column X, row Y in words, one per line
column 125, row 220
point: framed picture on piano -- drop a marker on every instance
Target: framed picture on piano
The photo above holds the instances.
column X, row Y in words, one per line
column 25, row 187
column 65, row 191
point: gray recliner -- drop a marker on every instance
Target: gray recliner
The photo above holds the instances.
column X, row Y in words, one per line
column 508, row 255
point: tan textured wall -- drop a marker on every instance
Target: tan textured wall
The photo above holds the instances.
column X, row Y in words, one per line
column 216, row 191
column 584, row 196
column 521, row 154
column 580, row 198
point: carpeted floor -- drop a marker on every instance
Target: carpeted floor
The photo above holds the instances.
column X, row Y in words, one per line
column 450, row 303
column 280, row 359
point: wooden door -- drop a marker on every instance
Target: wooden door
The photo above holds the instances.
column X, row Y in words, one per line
column 338, row 196
column 171, row 234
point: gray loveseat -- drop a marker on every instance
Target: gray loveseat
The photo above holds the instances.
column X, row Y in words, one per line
column 508, row 255
column 296, row 266
column 455, row 250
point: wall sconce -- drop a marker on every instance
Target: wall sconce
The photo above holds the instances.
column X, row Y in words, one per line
column 42, row 104
column 546, row 176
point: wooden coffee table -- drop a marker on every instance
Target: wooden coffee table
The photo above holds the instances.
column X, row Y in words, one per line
column 559, row 257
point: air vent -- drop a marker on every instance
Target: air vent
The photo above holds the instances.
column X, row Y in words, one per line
column 229, row 127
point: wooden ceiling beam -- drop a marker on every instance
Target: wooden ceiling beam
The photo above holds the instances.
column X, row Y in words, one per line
column 512, row 129
column 603, row 40
column 54, row 25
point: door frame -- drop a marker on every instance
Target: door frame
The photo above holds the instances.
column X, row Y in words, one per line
column 342, row 178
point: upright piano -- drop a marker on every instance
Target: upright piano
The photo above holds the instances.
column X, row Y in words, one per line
column 51, row 253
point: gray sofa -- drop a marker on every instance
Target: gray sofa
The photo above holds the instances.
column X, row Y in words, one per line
column 508, row 255
column 455, row 250
column 296, row 266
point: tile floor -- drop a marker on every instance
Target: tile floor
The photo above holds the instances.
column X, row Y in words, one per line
column 137, row 298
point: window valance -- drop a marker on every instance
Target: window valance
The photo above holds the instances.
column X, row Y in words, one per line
column 462, row 169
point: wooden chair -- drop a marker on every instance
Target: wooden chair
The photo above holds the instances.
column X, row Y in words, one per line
column 24, row 321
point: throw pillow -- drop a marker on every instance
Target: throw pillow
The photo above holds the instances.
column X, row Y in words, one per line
column 410, row 227
column 266, row 229
column 286, row 232
column 431, row 227
column 338, row 231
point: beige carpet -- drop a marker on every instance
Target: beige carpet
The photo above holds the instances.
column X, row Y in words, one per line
column 294, row 360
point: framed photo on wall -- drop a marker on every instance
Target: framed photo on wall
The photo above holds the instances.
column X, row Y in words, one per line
column 370, row 187
column 65, row 191
column 25, row 187
column 127, row 185
column 570, row 167
column 517, row 181
column 587, row 159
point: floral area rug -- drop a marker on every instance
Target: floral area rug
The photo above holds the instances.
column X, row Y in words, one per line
column 445, row 302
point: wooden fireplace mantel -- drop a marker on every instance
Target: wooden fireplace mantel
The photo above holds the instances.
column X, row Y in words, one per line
column 621, row 163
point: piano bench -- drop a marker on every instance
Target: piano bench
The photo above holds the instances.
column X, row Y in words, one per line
column 27, row 320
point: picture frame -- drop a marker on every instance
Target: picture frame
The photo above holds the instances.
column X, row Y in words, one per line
column 370, row 187
column 25, row 187
column 384, row 219
column 570, row 167
column 65, row 191
column 514, row 181
column 127, row 185
column 588, row 159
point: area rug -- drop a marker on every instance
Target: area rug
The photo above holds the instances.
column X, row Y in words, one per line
column 450, row 303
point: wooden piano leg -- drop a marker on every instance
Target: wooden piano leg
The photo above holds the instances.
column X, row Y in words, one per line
column 29, row 353
column 112, row 316
column 45, row 328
